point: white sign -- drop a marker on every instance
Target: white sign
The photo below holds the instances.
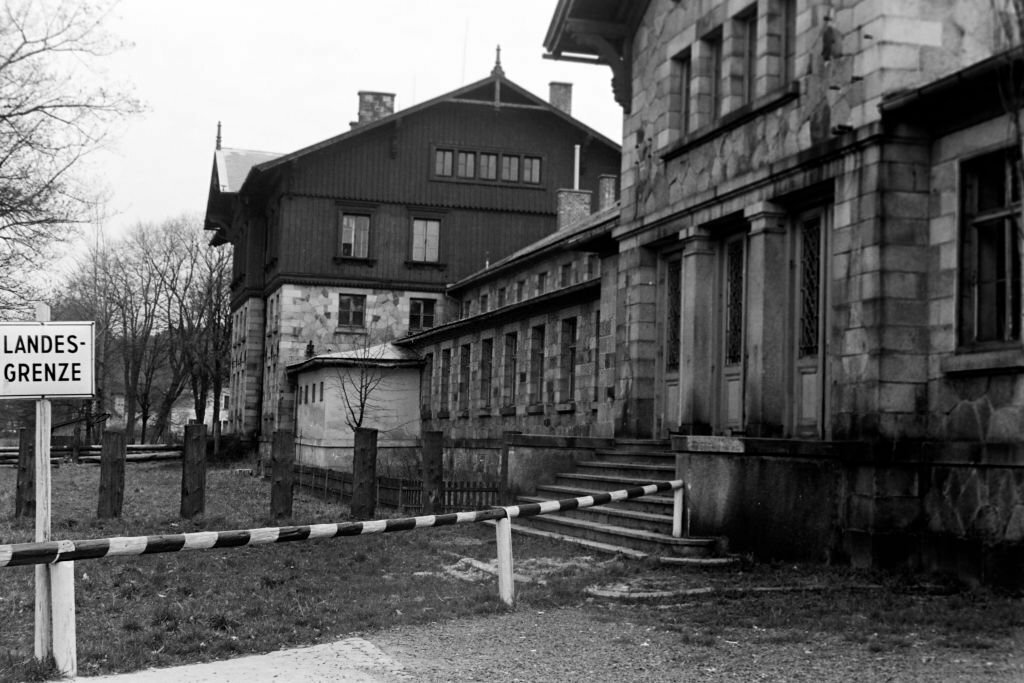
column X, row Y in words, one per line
column 41, row 360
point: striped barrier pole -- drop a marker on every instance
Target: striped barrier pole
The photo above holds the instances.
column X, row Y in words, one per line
column 53, row 552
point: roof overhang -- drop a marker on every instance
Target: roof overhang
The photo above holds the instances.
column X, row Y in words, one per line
column 980, row 92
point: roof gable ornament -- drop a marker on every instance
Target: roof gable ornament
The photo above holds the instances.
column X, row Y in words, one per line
column 218, row 135
column 497, row 71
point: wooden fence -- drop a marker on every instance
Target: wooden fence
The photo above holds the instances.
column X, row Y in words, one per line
column 404, row 495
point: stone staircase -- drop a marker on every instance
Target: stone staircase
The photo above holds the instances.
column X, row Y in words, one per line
column 639, row 527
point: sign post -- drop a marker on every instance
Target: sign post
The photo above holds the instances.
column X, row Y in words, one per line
column 40, row 360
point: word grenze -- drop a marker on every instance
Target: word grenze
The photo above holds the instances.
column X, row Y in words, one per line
column 52, row 371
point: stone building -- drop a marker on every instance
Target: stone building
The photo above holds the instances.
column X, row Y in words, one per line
column 350, row 242
column 815, row 291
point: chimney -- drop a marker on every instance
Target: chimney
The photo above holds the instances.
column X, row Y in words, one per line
column 560, row 96
column 605, row 191
column 573, row 207
column 374, row 106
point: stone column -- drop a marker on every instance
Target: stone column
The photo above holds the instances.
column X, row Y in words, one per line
column 765, row 324
column 636, row 341
column 697, row 339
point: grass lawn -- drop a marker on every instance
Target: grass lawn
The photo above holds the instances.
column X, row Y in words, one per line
column 176, row 608
column 160, row 610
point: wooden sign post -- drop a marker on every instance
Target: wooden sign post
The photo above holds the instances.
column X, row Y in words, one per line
column 39, row 360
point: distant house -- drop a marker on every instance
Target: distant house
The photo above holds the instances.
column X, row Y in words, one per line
column 350, row 242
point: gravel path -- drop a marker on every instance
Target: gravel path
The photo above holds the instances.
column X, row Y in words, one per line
column 600, row 643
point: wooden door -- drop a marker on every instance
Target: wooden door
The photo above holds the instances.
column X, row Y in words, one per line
column 732, row 313
column 807, row 346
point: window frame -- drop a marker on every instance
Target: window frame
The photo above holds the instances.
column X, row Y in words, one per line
column 348, row 313
column 426, row 222
column 418, row 313
column 366, row 230
column 444, row 162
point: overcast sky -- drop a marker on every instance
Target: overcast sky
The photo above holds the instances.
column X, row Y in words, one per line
column 281, row 76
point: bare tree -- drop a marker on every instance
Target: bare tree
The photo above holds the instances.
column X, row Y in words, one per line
column 54, row 110
column 358, row 382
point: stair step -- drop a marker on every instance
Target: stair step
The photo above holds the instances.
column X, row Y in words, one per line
column 587, row 543
column 638, row 539
column 652, row 457
column 604, row 514
column 657, row 504
column 628, row 469
column 603, row 482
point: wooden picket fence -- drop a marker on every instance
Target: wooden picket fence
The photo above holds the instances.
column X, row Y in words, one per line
column 404, row 495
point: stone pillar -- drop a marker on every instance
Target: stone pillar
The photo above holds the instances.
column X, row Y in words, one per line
column 765, row 325
column 636, row 342
column 697, row 345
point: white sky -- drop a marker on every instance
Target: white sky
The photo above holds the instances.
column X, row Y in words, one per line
column 281, row 76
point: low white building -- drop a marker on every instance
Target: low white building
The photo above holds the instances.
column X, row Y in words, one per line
column 376, row 387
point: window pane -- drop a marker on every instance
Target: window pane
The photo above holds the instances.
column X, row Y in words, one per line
column 510, row 169
column 531, row 170
column 425, row 237
column 467, row 165
column 489, row 166
column 355, row 235
column 443, row 159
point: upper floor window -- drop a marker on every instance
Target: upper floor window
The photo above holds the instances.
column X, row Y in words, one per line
column 466, row 167
column 354, row 235
column 711, row 72
column 565, row 275
column 501, row 297
column 542, row 282
column 521, row 290
column 484, row 303
column 746, row 27
column 680, row 92
column 990, row 259
column 352, row 310
column 444, row 162
column 488, row 166
column 531, row 170
column 510, row 168
column 426, row 233
column 421, row 313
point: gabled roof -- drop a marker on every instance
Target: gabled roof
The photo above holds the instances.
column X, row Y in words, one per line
column 495, row 89
column 233, row 166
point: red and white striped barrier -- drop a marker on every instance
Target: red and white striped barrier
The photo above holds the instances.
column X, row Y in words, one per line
column 48, row 552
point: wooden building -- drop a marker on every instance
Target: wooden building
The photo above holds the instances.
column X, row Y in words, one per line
column 350, row 242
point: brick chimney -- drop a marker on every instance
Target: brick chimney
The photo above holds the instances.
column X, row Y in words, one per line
column 560, row 96
column 374, row 106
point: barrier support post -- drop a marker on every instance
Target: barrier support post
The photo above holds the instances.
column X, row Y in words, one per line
column 65, row 655
column 44, row 595
column 678, row 505
column 506, row 582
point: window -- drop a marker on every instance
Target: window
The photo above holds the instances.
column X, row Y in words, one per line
column 352, row 310
column 467, row 165
column 531, row 170
column 321, row 392
column 510, row 168
column 425, row 235
column 488, row 166
column 542, row 282
column 681, row 75
column 711, row 72
column 354, row 235
column 464, row 365
column 446, row 378
column 536, row 364
column 990, row 259
column 426, row 383
column 501, row 297
column 567, row 371
column 673, row 308
column 521, row 290
column 565, row 275
column 511, row 369
column 484, row 307
column 421, row 313
column 596, row 354
column 486, row 371
column 466, row 306
column 444, row 160
column 593, row 266
column 787, row 11
column 746, row 26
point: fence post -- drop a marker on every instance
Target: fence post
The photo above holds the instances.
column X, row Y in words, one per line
column 506, row 579
column 65, row 646
column 282, row 474
column 677, row 512
column 112, row 459
column 193, row 471
column 25, row 491
column 364, row 474
column 432, row 500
